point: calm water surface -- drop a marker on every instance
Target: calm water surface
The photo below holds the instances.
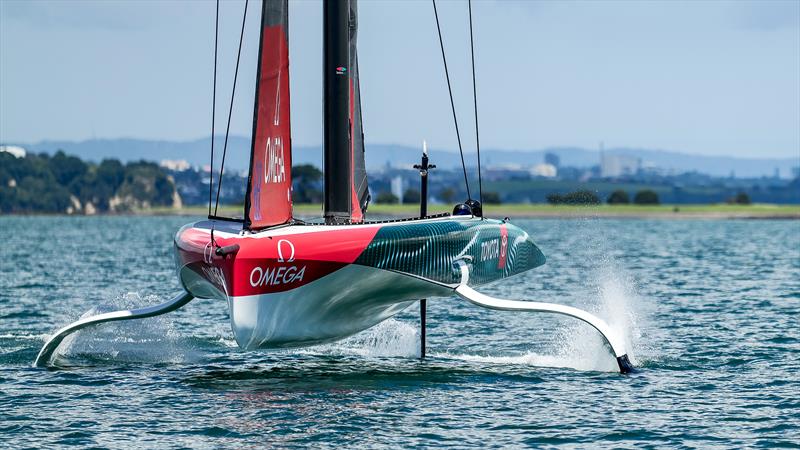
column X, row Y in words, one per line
column 709, row 307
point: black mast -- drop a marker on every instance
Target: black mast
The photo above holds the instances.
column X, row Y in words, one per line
column 338, row 160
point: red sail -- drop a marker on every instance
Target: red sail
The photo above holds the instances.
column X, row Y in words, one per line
column 269, row 188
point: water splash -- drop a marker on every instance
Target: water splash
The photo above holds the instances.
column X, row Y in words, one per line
column 390, row 338
column 611, row 295
column 151, row 340
column 613, row 298
column 533, row 359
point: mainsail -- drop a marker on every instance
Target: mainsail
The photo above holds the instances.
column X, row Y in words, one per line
column 346, row 194
column 360, row 188
column 269, row 187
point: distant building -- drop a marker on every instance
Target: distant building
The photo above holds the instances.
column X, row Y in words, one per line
column 650, row 168
column 552, row 159
column 544, row 170
column 397, row 187
column 176, row 165
column 505, row 166
column 612, row 166
column 18, row 152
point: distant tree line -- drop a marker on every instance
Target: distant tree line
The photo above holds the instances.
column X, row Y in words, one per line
column 306, row 184
column 40, row 183
column 581, row 197
column 740, row 199
column 448, row 196
column 642, row 197
column 618, row 197
column 650, row 197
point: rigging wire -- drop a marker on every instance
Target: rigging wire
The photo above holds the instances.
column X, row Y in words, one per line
column 230, row 110
column 213, row 110
column 452, row 103
column 475, row 99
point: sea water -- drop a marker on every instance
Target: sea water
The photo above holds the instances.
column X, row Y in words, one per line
column 709, row 309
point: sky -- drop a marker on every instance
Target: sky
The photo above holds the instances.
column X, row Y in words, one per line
column 700, row 77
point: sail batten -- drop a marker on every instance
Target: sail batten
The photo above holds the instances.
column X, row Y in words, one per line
column 269, row 188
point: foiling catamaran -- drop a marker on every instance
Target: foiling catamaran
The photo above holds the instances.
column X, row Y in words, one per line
column 290, row 283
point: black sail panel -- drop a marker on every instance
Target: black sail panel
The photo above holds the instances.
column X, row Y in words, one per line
column 346, row 193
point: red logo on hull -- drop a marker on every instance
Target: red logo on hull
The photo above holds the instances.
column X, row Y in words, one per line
column 501, row 261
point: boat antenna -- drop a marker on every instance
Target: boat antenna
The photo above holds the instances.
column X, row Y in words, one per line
column 475, row 99
column 213, row 110
column 452, row 103
column 230, row 109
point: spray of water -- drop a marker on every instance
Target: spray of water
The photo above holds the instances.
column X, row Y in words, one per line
column 602, row 287
column 612, row 296
column 147, row 340
column 610, row 292
column 390, row 338
column 613, row 299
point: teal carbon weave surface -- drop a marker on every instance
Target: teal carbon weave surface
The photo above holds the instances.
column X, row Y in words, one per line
column 428, row 250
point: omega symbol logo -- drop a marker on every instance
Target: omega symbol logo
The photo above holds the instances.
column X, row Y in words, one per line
column 284, row 244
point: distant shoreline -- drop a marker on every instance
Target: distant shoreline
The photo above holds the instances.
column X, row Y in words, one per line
column 544, row 211
column 516, row 211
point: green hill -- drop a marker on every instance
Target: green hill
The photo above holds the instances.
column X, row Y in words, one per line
column 39, row 183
